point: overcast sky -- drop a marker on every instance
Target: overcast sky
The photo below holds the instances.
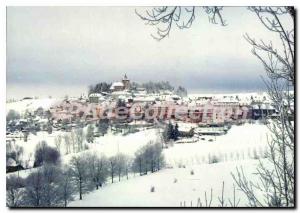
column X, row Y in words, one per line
column 60, row 50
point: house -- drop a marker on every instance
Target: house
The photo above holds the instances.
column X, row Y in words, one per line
column 96, row 98
column 117, row 86
column 120, row 86
column 262, row 110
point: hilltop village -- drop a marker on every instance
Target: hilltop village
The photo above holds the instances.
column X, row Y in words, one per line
column 162, row 105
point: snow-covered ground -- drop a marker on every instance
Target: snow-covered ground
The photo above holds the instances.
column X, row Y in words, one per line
column 241, row 146
column 31, row 104
column 241, row 142
column 170, row 193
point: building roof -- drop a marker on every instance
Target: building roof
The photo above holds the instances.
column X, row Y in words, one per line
column 116, row 84
column 120, row 93
column 93, row 95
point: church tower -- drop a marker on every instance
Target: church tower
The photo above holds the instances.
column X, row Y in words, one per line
column 126, row 82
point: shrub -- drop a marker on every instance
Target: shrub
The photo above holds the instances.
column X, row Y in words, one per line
column 45, row 154
column 152, row 189
column 12, row 115
column 213, row 159
column 255, row 155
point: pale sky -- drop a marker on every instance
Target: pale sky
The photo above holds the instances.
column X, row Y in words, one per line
column 62, row 50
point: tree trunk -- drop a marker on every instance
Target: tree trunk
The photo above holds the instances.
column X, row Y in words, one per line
column 80, row 189
column 140, row 167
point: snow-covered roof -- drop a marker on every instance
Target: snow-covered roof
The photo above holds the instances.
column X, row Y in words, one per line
column 120, row 93
column 144, row 99
column 122, row 97
column 267, row 106
column 93, row 95
column 116, row 84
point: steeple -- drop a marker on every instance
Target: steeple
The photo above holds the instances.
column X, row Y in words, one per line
column 126, row 82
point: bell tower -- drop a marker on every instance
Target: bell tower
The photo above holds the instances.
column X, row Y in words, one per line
column 126, row 82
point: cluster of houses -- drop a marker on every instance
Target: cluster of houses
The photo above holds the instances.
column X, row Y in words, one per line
column 161, row 106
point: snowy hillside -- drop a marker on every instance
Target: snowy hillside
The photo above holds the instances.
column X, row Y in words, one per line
column 31, row 104
column 173, row 187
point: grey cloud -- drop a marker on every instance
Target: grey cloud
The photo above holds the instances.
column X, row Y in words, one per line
column 83, row 45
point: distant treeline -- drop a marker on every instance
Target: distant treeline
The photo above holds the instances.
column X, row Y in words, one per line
column 153, row 87
column 150, row 87
column 99, row 87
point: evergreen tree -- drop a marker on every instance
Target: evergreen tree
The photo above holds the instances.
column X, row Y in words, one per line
column 103, row 126
column 168, row 132
column 181, row 91
column 176, row 132
column 100, row 87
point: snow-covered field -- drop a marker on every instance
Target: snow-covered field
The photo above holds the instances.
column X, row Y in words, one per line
column 168, row 192
column 241, row 142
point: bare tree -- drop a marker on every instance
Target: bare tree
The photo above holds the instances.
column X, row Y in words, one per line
column 121, row 165
column 148, row 158
column 138, row 162
column 73, row 141
column 97, row 169
column 67, row 143
column 14, row 192
column 79, row 136
column 34, row 189
column 58, row 141
column 112, row 167
column 90, row 134
column 101, row 170
column 234, row 202
column 128, row 166
column 50, row 177
column 276, row 181
column 163, row 18
column 78, row 172
column 66, row 188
